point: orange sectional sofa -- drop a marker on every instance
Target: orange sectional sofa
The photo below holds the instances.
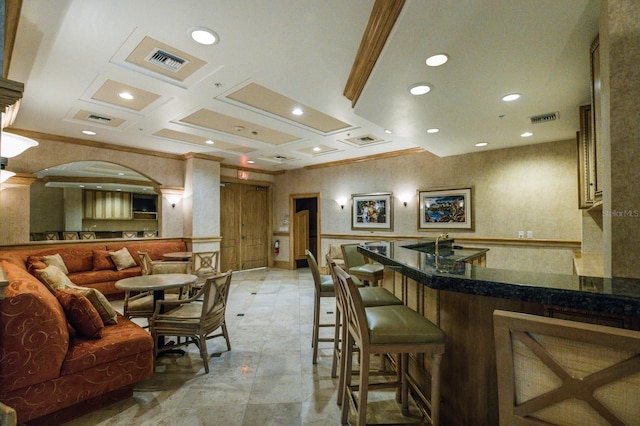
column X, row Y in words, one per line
column 49, row 372
column 89, row 264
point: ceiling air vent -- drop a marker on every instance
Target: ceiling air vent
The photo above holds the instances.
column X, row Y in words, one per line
column 166, row 60
column 543, row 118
column 98, row 118
column 364, row 140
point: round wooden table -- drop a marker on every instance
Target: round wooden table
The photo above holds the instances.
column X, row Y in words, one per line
column 158, row 284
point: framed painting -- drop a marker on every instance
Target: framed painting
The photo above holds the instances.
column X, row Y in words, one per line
column 372, row 211
column 445, row 209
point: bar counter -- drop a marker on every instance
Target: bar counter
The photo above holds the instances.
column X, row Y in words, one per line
column 460, row 297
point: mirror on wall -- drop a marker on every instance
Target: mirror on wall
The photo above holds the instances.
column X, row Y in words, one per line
column 92, row 196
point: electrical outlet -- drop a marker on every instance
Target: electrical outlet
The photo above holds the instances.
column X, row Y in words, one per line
column 529, row 234
column 520, row 234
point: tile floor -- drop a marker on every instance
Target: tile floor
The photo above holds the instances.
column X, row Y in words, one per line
column 266, row 379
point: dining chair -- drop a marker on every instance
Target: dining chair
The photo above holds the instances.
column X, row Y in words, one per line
column 560, row 372
column 356, row 264
column 69, row 235
column 323, row 285
column 51, row 236
column 204, row 264
column 129, row 234
column 141, row 304
column 195, row 318
column 149, row 234
column 394, row 329
column 87, row 235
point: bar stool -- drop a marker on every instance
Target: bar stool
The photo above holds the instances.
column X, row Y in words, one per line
column 394, row 329
column 355, row 264
column 371, row 296
column 323, row 288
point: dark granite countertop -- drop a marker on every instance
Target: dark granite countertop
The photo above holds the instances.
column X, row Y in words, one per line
column 611, row 295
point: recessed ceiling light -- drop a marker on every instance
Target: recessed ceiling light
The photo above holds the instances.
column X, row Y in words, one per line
column 125, row 95
column 250, row 162
column 511, row 97
column 434, row 130
column 437, row 60
column 120, row 174
column 81, row 186
column 526, row 134
column 98, row 186
column 204, row 35
column 209, row 142
column 479, row 144
column 419, row 89
column 388, row 131
column 317, row 149
column 119, row 189
column 297, row 111
column 89, row 132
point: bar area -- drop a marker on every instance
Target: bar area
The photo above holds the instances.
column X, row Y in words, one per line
column 454, row 291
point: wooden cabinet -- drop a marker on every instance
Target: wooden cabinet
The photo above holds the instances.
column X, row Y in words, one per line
column 107, row 205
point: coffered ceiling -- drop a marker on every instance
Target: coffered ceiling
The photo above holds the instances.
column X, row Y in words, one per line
column 234, row 99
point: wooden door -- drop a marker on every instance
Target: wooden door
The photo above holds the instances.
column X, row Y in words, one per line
column 244, row 213
column 253, row 228
column 301, row 234
column 230, row 227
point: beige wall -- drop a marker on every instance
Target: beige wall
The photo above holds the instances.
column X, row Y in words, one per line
column 531, row 188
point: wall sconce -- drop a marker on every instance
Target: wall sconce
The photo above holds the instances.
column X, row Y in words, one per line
column 404, row 199
column 173, row 199
column 341, row 202
column 12, row 145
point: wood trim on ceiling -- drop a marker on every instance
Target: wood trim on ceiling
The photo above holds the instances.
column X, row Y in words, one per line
column 366, row 158
column 266, row 172
column 103, row 145
column 12, row 9
column 381, row 21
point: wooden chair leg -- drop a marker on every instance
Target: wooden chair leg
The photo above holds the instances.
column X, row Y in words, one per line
column 316, row 328
column 363, row 391
column 225, row 333
column 435, row 389
column 344, row 336
column 336, row 344
column 404, row 385
column 203, row 353
column 345, row 375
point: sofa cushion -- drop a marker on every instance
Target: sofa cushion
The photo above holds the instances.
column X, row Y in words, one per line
column 155, row 249
column 117, row 342
column 81, row 314
column 55, row 260
column 122, row 258
column 90, row 277
column 32, row 351
column 102, row 260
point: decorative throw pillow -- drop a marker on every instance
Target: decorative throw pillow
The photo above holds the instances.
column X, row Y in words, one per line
column 101, row 303
column 53, row 277
column 55, row 260
column 81, row 314
column 102, row 260
column 55, row 280
column 34, row 263
column 122, row 258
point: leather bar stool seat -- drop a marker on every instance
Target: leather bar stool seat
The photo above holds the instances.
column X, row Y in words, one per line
column 356, row 265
